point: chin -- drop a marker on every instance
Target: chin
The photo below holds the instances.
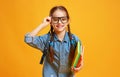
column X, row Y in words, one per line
column 60, row 30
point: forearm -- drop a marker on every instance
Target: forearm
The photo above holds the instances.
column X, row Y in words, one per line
column 45, row 22
column 36, row 30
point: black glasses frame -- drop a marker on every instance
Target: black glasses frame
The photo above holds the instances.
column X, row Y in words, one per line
column 60, row 19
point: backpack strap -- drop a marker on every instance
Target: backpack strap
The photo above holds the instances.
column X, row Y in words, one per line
column 46, row 48
column 73, row 42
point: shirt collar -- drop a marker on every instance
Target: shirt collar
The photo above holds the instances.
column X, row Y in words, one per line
column 66, row 37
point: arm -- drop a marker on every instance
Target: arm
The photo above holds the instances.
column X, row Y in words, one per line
column 37, row 41
column 45, row 23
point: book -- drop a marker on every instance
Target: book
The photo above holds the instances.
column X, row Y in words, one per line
column 77, row 56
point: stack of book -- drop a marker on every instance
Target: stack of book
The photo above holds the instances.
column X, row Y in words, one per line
column 77, row 57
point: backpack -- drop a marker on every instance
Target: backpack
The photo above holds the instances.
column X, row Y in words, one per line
column 47, row 45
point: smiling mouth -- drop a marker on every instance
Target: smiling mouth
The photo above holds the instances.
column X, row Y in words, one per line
column 59, row 26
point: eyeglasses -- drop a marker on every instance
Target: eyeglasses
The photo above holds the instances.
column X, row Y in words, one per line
column 55, row 20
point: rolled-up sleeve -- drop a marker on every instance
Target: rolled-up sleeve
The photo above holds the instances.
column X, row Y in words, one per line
column 36, row 41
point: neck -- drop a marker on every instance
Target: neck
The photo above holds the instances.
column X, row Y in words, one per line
column 61, row 35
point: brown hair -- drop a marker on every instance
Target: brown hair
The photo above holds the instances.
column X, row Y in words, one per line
column 52, row 32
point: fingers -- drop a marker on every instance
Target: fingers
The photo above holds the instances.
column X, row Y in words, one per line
column 48, row 19
column 83, row 50
column 82, row 53
column 75, row 70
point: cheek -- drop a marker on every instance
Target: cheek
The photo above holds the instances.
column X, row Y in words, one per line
column 54, row 25
column 66, row 25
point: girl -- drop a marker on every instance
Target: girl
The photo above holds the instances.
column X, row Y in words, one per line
column 57, row 62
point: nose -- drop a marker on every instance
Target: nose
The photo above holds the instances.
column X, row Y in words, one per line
column 59, row 21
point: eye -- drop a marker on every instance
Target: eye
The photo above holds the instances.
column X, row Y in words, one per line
column 64, row 18
column 55, row 19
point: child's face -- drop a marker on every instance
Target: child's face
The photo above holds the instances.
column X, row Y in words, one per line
column 59, row 21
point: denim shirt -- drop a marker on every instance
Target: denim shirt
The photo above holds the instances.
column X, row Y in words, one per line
column 60, row 66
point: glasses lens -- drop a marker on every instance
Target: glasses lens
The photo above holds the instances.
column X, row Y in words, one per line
column 55, row 20
column 64, row 20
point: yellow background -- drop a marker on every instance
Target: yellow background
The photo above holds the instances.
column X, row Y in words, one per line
column 96, row 22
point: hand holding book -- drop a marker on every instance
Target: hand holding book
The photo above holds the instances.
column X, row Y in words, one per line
column 78, row 58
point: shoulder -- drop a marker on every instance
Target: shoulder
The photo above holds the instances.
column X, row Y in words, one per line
column 76, row 38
